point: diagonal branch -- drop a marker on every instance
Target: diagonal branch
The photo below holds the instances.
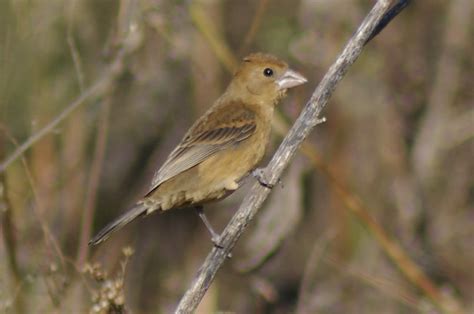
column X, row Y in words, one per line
column 307, row 120
column 99, row 88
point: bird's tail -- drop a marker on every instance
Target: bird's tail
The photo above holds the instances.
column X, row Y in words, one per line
column 138, row 210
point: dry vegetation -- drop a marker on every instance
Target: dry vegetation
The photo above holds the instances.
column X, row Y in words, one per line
column 390, row 173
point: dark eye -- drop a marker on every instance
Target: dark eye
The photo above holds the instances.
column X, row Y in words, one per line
column 268, row 72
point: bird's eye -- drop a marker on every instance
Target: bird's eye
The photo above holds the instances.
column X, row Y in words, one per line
column 268, row 72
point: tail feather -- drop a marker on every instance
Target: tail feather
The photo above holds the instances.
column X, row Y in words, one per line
column 135, row 212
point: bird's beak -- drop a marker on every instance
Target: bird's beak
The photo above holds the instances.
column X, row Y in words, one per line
column 290, row 79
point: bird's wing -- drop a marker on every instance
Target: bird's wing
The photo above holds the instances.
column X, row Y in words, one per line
column 212, row 133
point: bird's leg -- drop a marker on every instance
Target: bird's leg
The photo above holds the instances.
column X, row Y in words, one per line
column 214, row 236
column 261, row 177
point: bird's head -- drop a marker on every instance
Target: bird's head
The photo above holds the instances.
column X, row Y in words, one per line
column 265, row 77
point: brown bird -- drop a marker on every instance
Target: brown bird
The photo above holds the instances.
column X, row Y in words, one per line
column 222, row 147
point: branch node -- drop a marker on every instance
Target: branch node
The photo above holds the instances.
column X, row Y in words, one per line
column 320, row 121
column 262, row 178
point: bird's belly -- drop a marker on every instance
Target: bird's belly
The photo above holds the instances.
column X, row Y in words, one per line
column 213, row 179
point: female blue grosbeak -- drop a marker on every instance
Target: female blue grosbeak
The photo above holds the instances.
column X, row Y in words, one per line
column 222, row 147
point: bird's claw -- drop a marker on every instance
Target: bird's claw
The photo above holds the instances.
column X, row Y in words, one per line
column 216, row 241
column 261, row 177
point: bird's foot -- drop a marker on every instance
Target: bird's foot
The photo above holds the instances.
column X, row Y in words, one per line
column 216, row 240
column 261, row 177
column 215, row 237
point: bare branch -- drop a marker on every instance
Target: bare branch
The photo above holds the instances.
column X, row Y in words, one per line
column 125, row 34
column 97, row 89
column 307, row 120
column 93, row 184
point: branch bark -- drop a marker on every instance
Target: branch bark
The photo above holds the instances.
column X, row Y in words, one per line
column 307, row 120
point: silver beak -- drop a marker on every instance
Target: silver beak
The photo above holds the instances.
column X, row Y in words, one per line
column 290, row 79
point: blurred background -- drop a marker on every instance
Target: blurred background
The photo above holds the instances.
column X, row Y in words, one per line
column 381, row 192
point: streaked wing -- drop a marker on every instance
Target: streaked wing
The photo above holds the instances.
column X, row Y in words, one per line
column 205, row 139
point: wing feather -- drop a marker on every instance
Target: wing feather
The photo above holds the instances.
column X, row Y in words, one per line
column 197, row 146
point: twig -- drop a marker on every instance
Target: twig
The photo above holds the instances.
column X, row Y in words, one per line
column 7, row 226
column 97, row 89
column 257, row 20
column 128, row 44
column 92, row 187
column 390, row 15
column 212, row 36
column 317, row 252
column 307, row 120
column 131, row 40
column 76, row 58
column 50, row 239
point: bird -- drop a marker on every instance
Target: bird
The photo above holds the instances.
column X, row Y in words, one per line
column 221, row 148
